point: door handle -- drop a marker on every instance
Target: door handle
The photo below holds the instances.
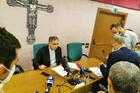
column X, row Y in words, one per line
column 93, row 41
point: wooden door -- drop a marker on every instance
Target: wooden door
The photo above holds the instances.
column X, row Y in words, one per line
column 102, row 37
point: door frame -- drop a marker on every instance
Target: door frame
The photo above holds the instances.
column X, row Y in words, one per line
column 97, row 16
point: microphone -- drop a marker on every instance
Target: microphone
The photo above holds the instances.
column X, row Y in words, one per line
column 49, row 82
column 82, row 69
column 82, row 72
column 65, row 65
column 87, row 70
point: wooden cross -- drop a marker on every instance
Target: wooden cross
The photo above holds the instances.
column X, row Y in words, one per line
column 32, row 7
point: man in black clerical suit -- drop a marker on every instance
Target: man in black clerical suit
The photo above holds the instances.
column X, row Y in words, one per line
column 48, row 56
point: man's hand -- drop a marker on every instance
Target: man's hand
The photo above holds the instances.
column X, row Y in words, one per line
column 42, row 67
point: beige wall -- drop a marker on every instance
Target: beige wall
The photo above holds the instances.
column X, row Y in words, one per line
column 72, row 20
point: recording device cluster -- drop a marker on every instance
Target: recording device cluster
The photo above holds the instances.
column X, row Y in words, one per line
column 83, row 70
column 72, row 80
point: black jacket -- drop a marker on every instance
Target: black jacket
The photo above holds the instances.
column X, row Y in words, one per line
column 43, row 57
column 123, row 54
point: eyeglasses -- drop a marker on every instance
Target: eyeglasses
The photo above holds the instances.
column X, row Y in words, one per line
column 55, row 43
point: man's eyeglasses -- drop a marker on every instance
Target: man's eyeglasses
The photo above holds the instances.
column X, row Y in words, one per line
column 55, row 43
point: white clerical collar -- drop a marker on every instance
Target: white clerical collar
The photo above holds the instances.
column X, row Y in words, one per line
column 51, row 49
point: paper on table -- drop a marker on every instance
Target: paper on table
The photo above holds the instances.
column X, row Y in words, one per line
column 73, row 65
column 96, row 71
column 79, row 85
column 60, row 70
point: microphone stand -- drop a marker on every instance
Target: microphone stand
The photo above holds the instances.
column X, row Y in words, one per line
column 68, row 74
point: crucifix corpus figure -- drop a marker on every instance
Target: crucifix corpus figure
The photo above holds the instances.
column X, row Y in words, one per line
column 32, row 7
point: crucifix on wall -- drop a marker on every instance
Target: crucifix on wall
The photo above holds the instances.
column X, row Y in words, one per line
column 32, row 7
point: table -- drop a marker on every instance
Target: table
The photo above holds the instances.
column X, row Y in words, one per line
column 30, row 81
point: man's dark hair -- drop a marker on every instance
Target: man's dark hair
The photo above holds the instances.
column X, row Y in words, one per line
column 8, row 45
column 115, row 26
column 51, row 38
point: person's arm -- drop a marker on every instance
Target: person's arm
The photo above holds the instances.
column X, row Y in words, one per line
column 109, row 61
column 21, row 3
column 105, row 69
column 134, row 40
column 48, row 8
column 37, row 60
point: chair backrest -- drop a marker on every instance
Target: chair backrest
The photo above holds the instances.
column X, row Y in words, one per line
column 74, row 51
column 36, row 47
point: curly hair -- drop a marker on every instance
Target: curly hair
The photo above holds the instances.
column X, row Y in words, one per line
column 8, row 45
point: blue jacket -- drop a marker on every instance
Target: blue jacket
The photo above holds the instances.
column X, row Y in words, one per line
column 123, row 54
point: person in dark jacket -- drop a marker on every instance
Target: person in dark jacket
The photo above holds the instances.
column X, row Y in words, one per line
column 48, row 56
column 120, row 53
